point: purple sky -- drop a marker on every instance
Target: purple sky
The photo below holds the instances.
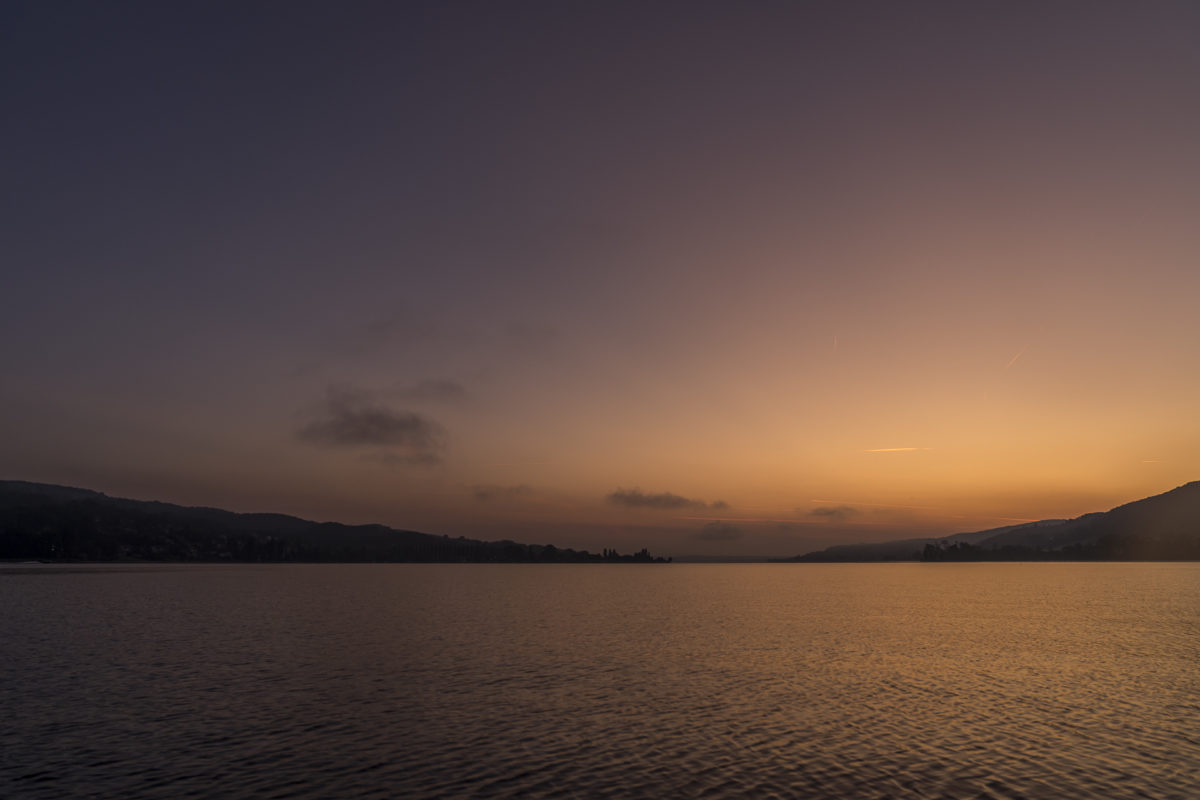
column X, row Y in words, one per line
column 820, row 272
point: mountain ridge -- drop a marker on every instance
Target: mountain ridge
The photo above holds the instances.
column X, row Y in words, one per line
column 48, row 522
column 1164, row 527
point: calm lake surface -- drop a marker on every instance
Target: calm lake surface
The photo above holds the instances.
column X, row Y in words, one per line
column 591, row 680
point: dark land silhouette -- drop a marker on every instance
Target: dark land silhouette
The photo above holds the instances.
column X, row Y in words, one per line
column 1164, row 527
column 44, row 522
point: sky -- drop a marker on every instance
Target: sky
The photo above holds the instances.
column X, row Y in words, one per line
column 746, row 278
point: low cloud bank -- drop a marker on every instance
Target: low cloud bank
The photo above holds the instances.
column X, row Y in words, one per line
column 636, row 498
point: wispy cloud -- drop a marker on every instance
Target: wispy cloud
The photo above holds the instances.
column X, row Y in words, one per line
column 351, row 418
column 897, row 449
column 834, row 513
column 636, row 498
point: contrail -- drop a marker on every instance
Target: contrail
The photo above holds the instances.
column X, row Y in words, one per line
column 1018, row 355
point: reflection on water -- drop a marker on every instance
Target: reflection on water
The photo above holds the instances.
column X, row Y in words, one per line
column 789, row 680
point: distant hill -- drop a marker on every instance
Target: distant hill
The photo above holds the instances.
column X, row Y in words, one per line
column 898, row 550
column 1164, row 527
column 58, row 523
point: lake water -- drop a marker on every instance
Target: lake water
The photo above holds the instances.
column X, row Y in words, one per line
column 788, row 680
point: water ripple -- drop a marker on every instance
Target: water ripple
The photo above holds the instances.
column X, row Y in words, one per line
column 784, row 681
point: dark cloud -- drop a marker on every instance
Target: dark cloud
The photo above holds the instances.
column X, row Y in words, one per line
column 718, row 532
column 636, row 498
column 352, row 419
column 372, row 426
column 434, row 391
column 485, row 494
column 718, row 505
column 833, row 513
